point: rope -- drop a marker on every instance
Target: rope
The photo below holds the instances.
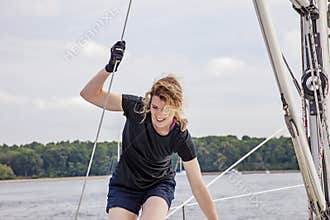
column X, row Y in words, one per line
column 295, row 82
column 126, row 19
column 320, row 123
column 250, row 194
column 101, row 120
column 227, row 170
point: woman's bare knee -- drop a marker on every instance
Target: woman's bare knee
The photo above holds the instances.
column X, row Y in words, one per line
column 154, row 208
column 122, row 214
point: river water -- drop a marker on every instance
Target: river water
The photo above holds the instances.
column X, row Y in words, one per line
column 58, row 199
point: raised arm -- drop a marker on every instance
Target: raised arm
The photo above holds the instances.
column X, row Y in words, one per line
column 199, row 189
column 93, row 91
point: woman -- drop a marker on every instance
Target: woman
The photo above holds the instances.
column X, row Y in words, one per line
column 153, row 131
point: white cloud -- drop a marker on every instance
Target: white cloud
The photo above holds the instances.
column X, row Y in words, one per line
column 43, row 8
column 43, row 104
column 221, row 66
column 95, row 50
column 29, row 8
column 59, row 103
column 7, row 98
column 160, row 39
column 87, row 48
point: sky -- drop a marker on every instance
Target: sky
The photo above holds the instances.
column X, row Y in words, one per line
column 51, row 48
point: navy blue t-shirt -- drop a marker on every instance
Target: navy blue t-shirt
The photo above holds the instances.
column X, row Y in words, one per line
column 146, row 155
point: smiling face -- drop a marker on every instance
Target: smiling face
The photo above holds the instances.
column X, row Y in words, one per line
column 161, row 115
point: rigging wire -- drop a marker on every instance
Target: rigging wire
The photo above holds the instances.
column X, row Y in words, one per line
column 248, row 194
column 101, row 119
column 228, row 169
column 319, row 94
column 295, row 82
column 315, row 68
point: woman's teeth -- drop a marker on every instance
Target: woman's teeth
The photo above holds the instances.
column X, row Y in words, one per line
column 160, row 119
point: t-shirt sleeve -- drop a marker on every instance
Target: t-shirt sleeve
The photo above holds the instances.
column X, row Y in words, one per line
column 185, row 147
column 131, row 104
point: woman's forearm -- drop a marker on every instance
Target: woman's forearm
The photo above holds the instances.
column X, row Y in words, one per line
column 95, row 85
column 204, row 200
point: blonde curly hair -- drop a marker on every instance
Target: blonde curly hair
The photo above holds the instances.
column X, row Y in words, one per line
column 170, row 91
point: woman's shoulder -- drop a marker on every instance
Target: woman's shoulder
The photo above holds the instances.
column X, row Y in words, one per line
column 132, row 98
column 180, row 134
column 184, row 145
column 132, row 104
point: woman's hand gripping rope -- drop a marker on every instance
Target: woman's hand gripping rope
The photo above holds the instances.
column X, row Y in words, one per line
column 116, row 55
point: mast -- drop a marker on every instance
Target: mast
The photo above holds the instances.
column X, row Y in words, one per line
column 309, row 144
column 324, row 42
column 315, row 59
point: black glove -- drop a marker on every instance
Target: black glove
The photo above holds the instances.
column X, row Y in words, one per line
column 117, row 53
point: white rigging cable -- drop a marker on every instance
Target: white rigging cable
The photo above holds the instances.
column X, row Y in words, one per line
column 228, row 169
column 314, row 63
column 249, row 194
column 101, row 119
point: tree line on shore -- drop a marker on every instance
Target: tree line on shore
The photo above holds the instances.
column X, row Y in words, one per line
column 65, row 158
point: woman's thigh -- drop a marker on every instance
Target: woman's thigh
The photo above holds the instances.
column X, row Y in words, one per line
column 122, row 214
column 155, row 207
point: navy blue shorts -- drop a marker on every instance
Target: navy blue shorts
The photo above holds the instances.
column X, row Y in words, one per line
column 133, row 200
